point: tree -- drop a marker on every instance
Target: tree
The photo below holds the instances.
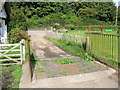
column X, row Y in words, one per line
column 87, row 12
column 18, row 20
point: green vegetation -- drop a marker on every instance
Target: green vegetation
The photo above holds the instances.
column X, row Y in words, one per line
column 63, row 60
column 11, row 52
column 69, row 15
column 39, row 62
column 17, row 24
column 84, row 71
column 14, row 72
column 83, row 32
column 119, row 17
column 75, row 32
column 50, row 75
column 72, row 48
column 105, row 48
column 40, row 70
column 63, row 73
column 61, row 14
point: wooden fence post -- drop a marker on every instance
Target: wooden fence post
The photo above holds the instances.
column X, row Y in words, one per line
column 87, row 44
column 30, row 68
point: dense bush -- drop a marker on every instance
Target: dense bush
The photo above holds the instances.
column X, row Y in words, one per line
column 64, row 13
column 55, row 20
column 15, row 35
column 18, row 20
column 17, row 23
column 69, row 21
column 71, row 18
column 90, row 21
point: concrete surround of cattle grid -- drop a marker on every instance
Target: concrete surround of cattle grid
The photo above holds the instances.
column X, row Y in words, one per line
column 99, row 79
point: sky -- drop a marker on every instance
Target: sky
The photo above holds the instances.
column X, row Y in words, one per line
column 116, row 1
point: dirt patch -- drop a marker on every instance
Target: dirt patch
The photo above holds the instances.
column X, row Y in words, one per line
column 49, row 54
column 7, row 78
column 52, row 69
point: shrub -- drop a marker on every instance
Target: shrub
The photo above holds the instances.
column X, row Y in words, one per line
column 14, row 35
column 18, row 20
column 70, row 27
column 71, row 18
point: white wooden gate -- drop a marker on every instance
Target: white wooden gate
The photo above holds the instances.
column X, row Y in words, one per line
column 11, row 54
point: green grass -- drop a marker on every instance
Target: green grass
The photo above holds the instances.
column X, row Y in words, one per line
column 63, row 73
column 72, row 48
column 75, row 32
column 16, row 69
column 40, row 70
column 16, row 74
column 103, row 47
column 64, row 60
column 83, row 32
column 84, row 71
column 11, row 52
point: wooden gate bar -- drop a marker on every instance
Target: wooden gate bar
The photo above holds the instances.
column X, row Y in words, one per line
column 8, row 57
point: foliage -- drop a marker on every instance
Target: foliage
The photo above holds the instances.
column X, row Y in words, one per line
column 16, row 24
column 40, row 70
column 63, row 73
column 14, row 35
column 104, row 11
column 64, row 60
column 71, row 18
column 90, row 21
column 18, row 20
column 87, row 12
column 119, row 16
column 16, row 75
column 39, row 14
column 72, row 48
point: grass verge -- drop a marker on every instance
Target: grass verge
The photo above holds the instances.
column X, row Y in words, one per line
column 11, row 74
column 71, row 47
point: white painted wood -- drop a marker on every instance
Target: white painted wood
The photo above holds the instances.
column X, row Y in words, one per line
column 8, row 50
column 24, row 50
column 21, row 51
column 9, row 44
column 13, row 54
column 4, row 53
column 9, row 59
column 9, row 64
